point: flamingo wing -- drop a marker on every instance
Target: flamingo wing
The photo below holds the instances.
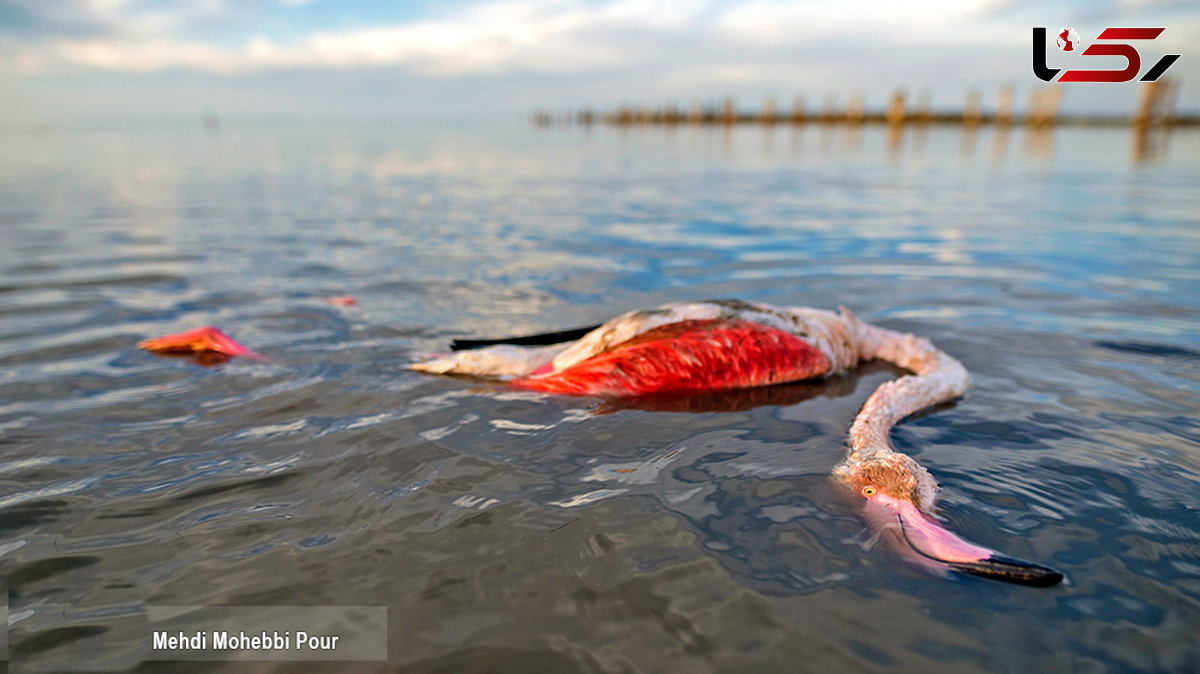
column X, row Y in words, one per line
column 688, row 356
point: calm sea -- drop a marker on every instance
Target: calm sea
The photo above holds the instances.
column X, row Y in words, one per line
column 521, row 533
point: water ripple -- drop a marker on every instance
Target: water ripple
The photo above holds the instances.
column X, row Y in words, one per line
column 515, row 530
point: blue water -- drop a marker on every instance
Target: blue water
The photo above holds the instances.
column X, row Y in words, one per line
column 516, row 532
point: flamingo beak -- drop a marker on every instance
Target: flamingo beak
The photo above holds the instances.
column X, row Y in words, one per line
column 933, row 544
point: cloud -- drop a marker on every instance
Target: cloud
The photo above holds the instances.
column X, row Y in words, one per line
column 154, row 54
column 938, row 22
column 488, row 37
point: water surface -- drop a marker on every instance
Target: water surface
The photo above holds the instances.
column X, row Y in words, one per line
column 516, row 532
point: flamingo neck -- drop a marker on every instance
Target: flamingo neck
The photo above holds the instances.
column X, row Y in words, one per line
column 937, row 377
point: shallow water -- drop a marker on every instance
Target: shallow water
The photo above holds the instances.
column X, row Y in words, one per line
column 516, row 532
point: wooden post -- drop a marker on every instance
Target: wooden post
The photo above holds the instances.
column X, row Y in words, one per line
column 1152, row 120
column 896, row 114
column 1043, row 106
column 767, row 114
column 827, row 112
column 1150, row 104
column 972, row 109
column 856, row 109
column 922, row 111
column 798, row 110
column 1004, row 105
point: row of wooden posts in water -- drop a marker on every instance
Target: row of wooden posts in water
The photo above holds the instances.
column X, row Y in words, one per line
column 1155, row 107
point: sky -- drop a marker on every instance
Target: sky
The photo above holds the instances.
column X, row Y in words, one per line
column 98, row 59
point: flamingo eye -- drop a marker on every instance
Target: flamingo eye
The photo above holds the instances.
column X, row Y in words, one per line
column 869, row 491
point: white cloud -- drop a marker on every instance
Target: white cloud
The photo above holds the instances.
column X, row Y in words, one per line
column 494, row 37
column 491, row 37
column 145, row 55
column 858, row 25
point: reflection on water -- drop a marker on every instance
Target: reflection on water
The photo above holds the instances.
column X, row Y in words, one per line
column 517, row 531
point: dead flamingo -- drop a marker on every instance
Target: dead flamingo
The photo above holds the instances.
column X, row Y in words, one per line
column 706, row 346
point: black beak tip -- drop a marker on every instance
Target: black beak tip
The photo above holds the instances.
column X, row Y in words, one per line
column 1009, row 570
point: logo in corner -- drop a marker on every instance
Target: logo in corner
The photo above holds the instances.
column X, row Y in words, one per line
column 1110, row 42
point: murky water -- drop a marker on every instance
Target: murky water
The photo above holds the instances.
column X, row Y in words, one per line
column 515, row 532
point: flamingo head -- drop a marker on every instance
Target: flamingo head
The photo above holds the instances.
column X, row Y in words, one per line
column 898, row 495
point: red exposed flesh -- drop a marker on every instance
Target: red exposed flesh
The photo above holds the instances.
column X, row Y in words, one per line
column 199, row 341
column 705, row 355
